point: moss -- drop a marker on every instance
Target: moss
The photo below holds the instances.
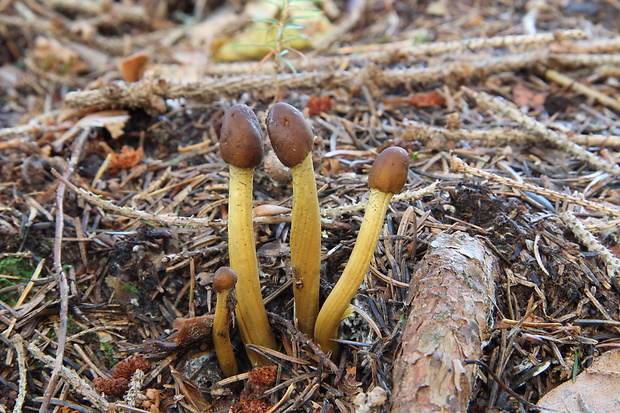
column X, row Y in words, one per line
column 108, row 351
column 17, row 267
column 20, row 271
column 130, row 288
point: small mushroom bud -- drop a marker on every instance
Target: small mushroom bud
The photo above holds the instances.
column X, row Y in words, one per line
column 387, row 177
column 241, row 147
column 224, row 280
column 292, row 139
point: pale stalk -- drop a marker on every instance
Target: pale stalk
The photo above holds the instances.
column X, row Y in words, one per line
column 251, row 314
column 339, row 299
column 221, row 336
column 305, row 246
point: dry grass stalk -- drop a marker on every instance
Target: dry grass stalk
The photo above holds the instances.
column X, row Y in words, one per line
column 612, row 264
column 151, row 94
column 509, row 110
column 451, row 299
column 457, row 165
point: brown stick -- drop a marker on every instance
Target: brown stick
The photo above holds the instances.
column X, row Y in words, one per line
column 451, row 299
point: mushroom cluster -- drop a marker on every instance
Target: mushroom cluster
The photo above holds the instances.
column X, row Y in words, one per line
column 292, row 139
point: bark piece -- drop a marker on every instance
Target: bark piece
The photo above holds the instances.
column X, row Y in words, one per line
column 451, row 298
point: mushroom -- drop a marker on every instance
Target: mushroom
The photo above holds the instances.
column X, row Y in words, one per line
column 387, row 177
column 224, row 280
column 292, row 139
column 241, row 147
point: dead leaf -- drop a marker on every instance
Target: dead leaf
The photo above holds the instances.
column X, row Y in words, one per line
column 190, row 391
column 153, row 401
column 127, row 159
column 524, row 96
column 251, row 43
column 615, row 250
column 317, row 105
column 595, row 390
column 132, row 67
column 113, row 120
column 425, row 100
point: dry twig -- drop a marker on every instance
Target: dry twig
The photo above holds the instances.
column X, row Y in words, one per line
column 612, row 264
column 457, row 165
column 509, row 110
column 59, row 273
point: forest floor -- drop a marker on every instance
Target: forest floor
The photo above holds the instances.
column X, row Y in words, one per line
column 111, row 113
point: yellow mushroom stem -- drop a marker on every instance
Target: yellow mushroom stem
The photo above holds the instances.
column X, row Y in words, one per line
column 251, row 313
column 337, row 302
column 305, row 246
column 221, row 335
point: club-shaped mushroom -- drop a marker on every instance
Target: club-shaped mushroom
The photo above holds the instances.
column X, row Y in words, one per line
column 292, row 138
column 224, row 280
column 242, row 148
column 387, row 177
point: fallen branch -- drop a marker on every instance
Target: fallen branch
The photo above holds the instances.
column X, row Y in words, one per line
column 151, row 94
column 450, row 301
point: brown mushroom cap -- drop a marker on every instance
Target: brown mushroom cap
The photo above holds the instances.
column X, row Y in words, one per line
column 241, row 142
column 224, row 278
column 290, row 134
column 389, row 171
